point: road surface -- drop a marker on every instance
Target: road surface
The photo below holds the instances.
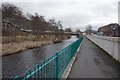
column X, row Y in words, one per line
column 93, row 62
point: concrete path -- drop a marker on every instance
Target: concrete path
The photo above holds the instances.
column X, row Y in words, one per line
column 93, row 62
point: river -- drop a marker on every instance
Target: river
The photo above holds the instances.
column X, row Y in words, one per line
column 17, row 64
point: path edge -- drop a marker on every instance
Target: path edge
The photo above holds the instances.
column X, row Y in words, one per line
column 70, row 65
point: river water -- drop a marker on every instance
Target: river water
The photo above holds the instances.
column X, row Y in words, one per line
column 17, row 64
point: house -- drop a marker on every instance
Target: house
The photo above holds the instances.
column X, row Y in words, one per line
column 112, row 30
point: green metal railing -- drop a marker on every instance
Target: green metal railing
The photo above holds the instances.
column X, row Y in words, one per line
column 54, row 66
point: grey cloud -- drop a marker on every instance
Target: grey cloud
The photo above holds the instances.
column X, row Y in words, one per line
column 105, row 9
column 76, row 19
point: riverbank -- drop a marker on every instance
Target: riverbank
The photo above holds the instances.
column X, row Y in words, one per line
column 12, row 48
column 12, row 45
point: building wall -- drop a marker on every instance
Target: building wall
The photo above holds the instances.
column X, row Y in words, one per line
column 109, row 44
column 108, row 30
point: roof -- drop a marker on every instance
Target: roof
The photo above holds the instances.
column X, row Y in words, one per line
column 109, row 25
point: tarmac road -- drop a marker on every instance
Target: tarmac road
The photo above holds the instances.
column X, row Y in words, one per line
column 93, row 62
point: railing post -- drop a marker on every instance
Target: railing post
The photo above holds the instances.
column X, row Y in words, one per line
column 57, row 73
column 17, row 78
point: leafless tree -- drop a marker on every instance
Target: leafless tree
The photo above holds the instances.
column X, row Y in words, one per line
column 88, row 27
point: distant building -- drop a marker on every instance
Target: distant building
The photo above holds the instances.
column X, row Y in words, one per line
column 88, row 32
column 112, row 30
column 91, row 32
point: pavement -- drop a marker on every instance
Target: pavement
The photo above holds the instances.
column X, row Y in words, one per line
column 93, row 62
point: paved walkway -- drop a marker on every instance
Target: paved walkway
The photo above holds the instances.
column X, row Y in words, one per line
column 93, row 62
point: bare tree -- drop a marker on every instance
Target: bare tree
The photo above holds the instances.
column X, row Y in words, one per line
column 36, row 22
column 9, row 11
column 88, row 29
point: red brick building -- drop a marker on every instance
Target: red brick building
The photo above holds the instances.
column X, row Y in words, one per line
column 112, row 30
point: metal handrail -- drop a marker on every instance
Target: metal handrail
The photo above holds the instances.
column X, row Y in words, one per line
column 54, row 66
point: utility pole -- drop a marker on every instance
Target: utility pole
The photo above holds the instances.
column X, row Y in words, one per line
column 119, row 12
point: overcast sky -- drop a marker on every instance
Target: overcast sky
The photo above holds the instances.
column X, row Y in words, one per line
column 73, row 13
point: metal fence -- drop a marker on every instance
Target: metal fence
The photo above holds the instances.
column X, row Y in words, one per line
column 54, row 66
